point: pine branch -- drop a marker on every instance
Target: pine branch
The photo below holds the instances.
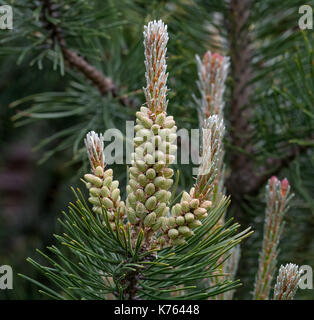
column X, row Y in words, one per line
column 240, row 110
column 143, row 249
column 105, row 85
column 212, row 74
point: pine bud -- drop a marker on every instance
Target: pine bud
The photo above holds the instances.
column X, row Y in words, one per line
column 168, row 183
column 169, row 123
column 95, row 201
column 150, row 219
column 173, row 233
column 114, row 185
column 107, row 181
column 107, row 203
column 160, row 209
column 180, row 221
column 144, row 110
column 150, row 189
column 164, row 222
column 133, row 184
column 186, row 197
column 170, row 158
column 93, row 179
column 140, row 195
column 165, row 212
column 150, row 173
column 176, row 210
column 132, row 198
column 168, row 172
column 115, row 195
column 160, row 119
column 140, row 208
column 155, row 128
column 99, row 171
column 129, row 189
column 200, row 211
column 184, row 230
column 134, row 171
column 168, row 196
column 206, row 204
column 145, row 120
column 97, row 209
column 160, row 195
column 108, row 173
column 138, row 127
column 157, row 225
column 159, row 166
column 95, row 192
column 171, row 222
column 141, row 165
column 150, row 203
column 131, row 215
column 149, row 159
column 142, row 180
column 185, row 206
column 189, row 217
column 121, row 208
column 159, row 182
column 194, row 203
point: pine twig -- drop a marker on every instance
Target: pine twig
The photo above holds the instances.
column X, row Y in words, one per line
column 105, row 85
column 212, row 74
column 287, row 282
column 278, row 197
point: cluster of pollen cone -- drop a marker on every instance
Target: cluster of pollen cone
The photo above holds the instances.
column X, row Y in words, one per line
column 147, row 206
column 103, row 190
column 150, row 176
column 186, row 216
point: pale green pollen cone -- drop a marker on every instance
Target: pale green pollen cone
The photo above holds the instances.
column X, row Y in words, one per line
column 105, row 194
column 150, row 176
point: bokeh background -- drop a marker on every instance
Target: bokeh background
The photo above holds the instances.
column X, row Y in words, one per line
column 47, row 106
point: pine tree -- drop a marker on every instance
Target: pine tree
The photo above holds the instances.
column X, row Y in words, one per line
column 268, row 115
